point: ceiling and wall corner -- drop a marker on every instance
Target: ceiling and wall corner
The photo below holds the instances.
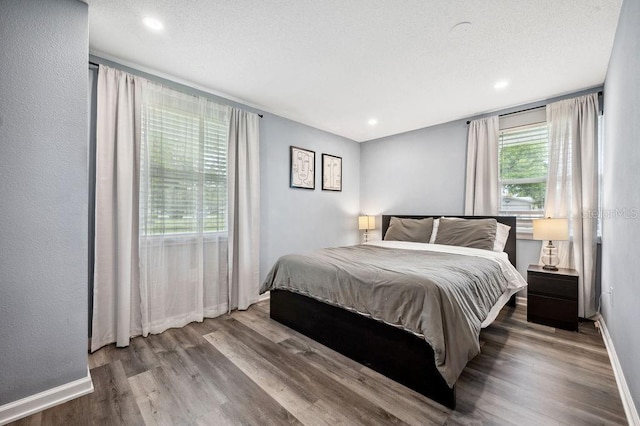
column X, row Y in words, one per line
column 335, row 65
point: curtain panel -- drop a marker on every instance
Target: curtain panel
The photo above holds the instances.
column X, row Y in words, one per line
column 482, row 193
column 244, row 208
column 116, row 299
column 572, row 187
column 177, row 209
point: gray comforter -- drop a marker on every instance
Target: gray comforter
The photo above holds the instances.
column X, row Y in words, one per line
column 441, row 296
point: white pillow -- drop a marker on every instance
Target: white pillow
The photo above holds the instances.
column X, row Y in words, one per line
column 502, row 234
column 434, row 232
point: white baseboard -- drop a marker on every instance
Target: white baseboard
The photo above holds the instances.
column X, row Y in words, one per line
column 520, row 300
column 625, row 394
column 265, row 296
column 47, row 399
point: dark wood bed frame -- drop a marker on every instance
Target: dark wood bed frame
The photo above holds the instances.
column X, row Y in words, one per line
column 393, row 352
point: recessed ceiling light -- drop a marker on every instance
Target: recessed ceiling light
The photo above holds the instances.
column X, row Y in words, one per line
column 153, row 24
column 501, row 84
column 372, row 122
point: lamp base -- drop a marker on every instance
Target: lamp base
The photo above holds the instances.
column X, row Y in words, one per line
column 549, row 257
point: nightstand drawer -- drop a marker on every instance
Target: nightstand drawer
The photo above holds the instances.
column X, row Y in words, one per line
column 552, row 312
column 547, row 285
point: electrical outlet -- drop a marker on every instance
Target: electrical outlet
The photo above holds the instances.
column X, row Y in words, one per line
column 611, row 295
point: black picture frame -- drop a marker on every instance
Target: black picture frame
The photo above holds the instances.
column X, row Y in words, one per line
column 331, row 173
column 302, row 168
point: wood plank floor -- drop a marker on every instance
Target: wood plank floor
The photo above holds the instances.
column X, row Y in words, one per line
column 245, row 368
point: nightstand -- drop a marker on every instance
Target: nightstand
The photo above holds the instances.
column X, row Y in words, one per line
column 552, row 297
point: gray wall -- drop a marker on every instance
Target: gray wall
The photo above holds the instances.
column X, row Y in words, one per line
column 413, row 172
column 296, row 220
column 43, row 188
column 621, row 203
column 528, row 254
column 422, row 171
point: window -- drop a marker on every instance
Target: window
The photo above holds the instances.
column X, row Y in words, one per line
column 184, row 162
column 523, row 161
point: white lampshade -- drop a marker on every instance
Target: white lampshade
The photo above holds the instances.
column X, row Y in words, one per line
column 366, row 222
column 551, row 229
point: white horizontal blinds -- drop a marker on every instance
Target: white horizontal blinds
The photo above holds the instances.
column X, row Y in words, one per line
column 184, row 160
column 524, row 161
column 215, row 175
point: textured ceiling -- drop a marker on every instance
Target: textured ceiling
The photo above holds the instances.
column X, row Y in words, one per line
column 334, row 64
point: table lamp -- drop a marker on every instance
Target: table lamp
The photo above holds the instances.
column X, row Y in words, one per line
column 366, row 223
column 548, row 230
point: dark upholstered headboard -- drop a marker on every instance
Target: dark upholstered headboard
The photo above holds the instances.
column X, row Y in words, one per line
column 509, row 248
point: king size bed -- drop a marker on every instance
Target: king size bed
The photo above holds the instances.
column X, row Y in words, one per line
column 411, row 306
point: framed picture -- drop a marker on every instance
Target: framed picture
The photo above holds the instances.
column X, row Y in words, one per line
column 303, row 168
column 331, row 173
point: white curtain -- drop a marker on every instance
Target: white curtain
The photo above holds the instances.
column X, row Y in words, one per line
column 116, row 301
column 177, row 209
column 244, row 209
column 183, row 233
column 572, row 187
column 482, row 194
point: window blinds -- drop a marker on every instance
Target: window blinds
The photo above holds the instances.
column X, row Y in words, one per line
column 523, row 159
column 184, row 164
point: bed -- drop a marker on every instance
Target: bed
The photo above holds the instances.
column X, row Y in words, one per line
column 345, row 298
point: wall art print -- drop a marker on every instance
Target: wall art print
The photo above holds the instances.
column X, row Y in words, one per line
column 303, row 168
column 331, row 173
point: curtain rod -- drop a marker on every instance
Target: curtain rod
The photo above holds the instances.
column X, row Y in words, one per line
column 96, row 65
column 527, row 109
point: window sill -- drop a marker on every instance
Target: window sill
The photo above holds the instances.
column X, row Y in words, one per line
column 182, row 238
